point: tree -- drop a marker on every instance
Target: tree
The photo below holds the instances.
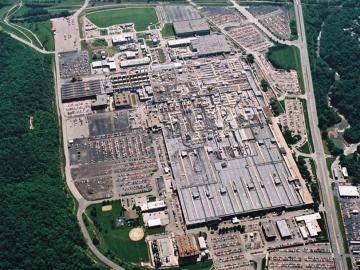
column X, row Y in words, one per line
column 264, row 85
column 250, row 58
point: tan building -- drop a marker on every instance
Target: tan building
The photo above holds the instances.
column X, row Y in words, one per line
column 188, row 249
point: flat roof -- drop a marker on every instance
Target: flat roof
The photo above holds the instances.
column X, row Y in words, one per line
column 80, row 90
column 154, row 222
column 210, row 45
column 181, row 41
column 191, row 26
column 208, row 191
column 348, row 191
column 283, row 228
column 135, row 62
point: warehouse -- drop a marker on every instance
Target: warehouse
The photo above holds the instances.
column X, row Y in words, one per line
column 283, row 228
column 80, row 90
column 348, row 191
column 135, row 62
column 210, row 45
column 212, row 187
column 191, row 28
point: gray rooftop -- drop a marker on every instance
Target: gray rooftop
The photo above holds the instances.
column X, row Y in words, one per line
column 80, row 90
column 216, row 185
column 191, row 27
column 210, row 45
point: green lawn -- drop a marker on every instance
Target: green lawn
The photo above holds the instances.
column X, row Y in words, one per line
column 99, row 42
column 286, row 57
column 168, row 30
column 142, row 17
column 115, row 239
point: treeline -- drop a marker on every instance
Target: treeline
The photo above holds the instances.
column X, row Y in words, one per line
column 37, row 14
column 38, row 229
column 332, row 3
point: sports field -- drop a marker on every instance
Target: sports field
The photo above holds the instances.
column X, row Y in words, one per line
column 142, row 17
column 113, row 238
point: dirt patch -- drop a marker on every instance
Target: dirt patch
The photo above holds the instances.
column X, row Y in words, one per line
column 136, row 234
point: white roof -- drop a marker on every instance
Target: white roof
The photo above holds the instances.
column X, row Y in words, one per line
column 235, row 220
column 202, row 242
column 112, row 65
column 348, row 191
column 154, row 222
column 283, row 228
column 304, row 232
column 308, row 218
column 344, row 172
column 179, row 42
column 313, row 228
column 135, row 62
column 96, row 64
column 153, row 205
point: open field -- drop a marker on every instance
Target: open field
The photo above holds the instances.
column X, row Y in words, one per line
column 115, row 239
column 142, row 17
column 286, row 57
column 167, row 30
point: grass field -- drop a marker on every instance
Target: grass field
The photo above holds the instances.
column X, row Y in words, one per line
column 116, row 239
column 341, row 224
column 305, row 148
column 43, row 31
column 142, row 17
column 308, row 130
column 168, row 30
column 286, row 57
column 162, row 57
column 330, row 161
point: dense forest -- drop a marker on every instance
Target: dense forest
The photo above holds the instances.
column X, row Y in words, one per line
column 38, row 227
column 339, row 52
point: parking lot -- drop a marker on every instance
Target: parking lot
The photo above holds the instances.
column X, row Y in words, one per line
column 275, row 18
column 316, row 256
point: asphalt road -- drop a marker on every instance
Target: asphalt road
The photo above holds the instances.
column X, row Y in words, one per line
column 322, row 171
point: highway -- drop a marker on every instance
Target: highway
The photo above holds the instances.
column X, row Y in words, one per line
column 321, row 169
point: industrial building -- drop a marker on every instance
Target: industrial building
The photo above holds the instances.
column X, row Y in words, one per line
column 191, row 28
column 173, row 43
column 210, row 45
column 349, row 191
column 268, row 230
column 188, row 250
column 80, row 90
column 135, row 62
column 122, row 39
column 283, row 228
column 212, row 186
